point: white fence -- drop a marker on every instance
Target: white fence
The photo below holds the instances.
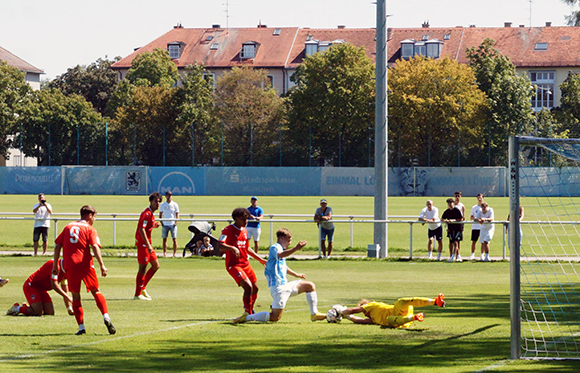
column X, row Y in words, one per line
column 270, row 219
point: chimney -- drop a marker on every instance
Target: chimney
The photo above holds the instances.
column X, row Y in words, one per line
column 548, row 24
column 341, row 26
column 215, row 26
column 522, row 25
column 507, row 24
column 425, row 24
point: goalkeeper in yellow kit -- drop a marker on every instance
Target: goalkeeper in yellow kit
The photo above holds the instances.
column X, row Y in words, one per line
column 399, row 315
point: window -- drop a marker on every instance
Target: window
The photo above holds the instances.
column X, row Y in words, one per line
column 447, row 37
column 214, row 46
column 248, row 51
column 433, row 50
column 407, row 49
column 277, row 31
column 541, row 47
column 323, row 45
column 311, row 48
column 425, row 37
column 420, row 49
column 174, row 50
column 544, row 83
column 209, row 38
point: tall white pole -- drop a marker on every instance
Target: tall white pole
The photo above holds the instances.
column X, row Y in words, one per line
column 381, row 136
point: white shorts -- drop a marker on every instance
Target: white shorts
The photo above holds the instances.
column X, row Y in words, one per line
column 280, row 294
column 486, row 235
column 254, row 232
column 165, row 229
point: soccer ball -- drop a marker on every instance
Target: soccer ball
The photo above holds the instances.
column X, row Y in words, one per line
column 333, row 316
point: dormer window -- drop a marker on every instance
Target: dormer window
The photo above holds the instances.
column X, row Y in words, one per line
column 323, row 45
column 434, row 47
column 248, row 50
column 429, row 48
column 174, row 50
column 311, row 47
column 407, row 49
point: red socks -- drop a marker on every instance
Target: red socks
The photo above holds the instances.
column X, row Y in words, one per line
column 78, row 310
column 139, row 287
column 101, row 303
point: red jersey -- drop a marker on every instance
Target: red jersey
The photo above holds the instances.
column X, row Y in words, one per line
column 42, row 278
column 237, row 237
column 76, row 240
column 146, row 220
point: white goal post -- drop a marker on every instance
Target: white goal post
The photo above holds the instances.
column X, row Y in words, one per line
column 544, row 248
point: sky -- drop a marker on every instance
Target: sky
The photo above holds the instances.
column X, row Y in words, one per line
column 56, row 35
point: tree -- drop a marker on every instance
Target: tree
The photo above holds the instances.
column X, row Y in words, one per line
column 52, row 125
column 434, row 105
column 250, row 111
column 568, row 113
column 14, row 99
column 195, row 100
column 153, row 69
column 509, row 95
column 332, row 102
column 94, row 82
column 573, row 19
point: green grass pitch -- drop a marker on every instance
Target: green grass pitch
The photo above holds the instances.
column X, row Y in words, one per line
column 187, row 327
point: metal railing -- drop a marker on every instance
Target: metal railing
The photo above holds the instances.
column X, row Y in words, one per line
column 267, row 219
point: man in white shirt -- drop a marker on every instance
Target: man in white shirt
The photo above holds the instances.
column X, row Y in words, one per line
column 430, row 215
column 42, row 211
column 485, row 217
column 476, row 227
column 169, row 210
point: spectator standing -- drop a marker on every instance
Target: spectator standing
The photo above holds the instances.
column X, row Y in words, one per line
column 323, row 217
column 461, row 207
column 169, row 210
column 253, row 228
column 485, row 218
column 42, row 211
column 430, row 215
column 475, row 227
column 454, row 233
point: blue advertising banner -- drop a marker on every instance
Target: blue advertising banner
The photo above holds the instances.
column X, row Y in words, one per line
column 117, row 180
column 30, row 180
column 264, row 181
column 347, row 181
column 177, row 180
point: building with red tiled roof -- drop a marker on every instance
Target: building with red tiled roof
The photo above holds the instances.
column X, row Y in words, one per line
column 545, row 54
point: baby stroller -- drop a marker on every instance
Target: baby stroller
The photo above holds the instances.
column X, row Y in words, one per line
column 201, row 229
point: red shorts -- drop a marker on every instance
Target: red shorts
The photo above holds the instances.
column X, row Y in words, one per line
column 240, row 273
column 34, row 295
column 143, row 255
column 77, row 274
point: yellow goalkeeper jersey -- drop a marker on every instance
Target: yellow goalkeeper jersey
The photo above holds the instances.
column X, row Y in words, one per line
column 379, row 313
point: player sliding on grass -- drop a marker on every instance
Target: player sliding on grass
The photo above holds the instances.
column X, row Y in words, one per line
column 145, row 253
column 399, row 315
column 280, row 288
column 76, row 240
column 234, row 243
column 36, row 289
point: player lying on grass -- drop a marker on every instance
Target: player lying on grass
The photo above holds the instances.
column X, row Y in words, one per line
column 36, row 289
column 399, row 315
column 280, row 288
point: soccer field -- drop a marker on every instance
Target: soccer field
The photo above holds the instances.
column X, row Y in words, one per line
column 187, row 326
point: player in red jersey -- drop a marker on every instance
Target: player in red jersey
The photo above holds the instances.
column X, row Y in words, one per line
column 36, row 289
column 76, row 240
column 145, row 253
column 234, row 242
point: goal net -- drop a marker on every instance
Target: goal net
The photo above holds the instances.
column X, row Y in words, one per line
column 545, row 267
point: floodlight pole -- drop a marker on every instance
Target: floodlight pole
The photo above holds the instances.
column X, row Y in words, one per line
column 514, row 244
column 381, row 136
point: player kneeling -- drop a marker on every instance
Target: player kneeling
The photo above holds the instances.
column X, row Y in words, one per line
column 280, row 289
column 36, row 289
column 399, row 315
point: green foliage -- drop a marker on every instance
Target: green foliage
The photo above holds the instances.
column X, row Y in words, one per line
column 51, row 125
column 95, row 82
column 250, row 111
column 153, row 69
column 433, row 104
column 509, row 95
column 14, row 99
column 568, row 112
column 333, row 101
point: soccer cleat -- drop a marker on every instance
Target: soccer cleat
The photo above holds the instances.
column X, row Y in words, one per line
column 241, row 319
column 318, row 316
column 110, row 326
column 3, row 281
column 140, row 297
column 439, row 257
column 472, row 256
column 14, row 310
column 440, row 300
column 419, row 316
column 145, row 294
column 451, row 259
column 459, row 259
column 482, row 257
column 486, row 259
column 430, row 256
column 81, row 332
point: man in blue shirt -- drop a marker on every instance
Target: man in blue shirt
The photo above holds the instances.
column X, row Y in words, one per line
column 280, row 288
column 253, row 227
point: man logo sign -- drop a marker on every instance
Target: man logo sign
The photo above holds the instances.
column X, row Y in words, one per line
column 177, row 183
